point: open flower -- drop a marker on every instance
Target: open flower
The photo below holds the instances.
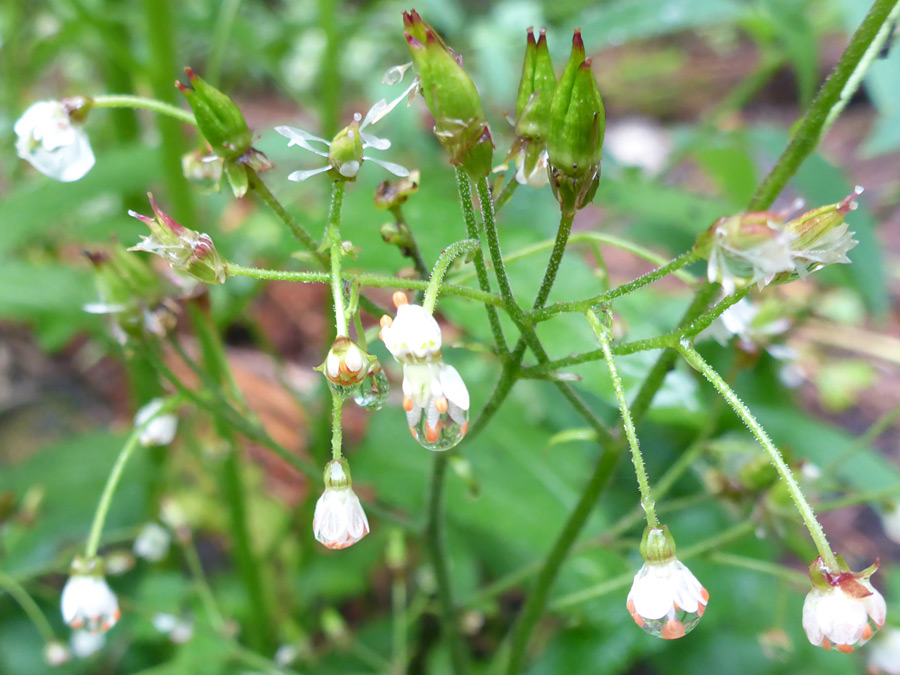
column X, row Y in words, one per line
column 842, row 608
column 339, row 520
column 52, row 142
column 345, row 150
column 160, row 429
column 435, row 397
column 665, row 600
column 87, row 601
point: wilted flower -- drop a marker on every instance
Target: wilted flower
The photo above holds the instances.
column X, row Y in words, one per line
column 345, row 151
column 451, row 96
column 838, row 609
column 56, row 653
column 884, row 654
column 86, row 643
column 52, row 141
column 665, row 600
column 435, row 397
column 186, row 251
column 87, row 601
column 160, row 429
column 821, row 237
column 339, row 520
column 152, row 543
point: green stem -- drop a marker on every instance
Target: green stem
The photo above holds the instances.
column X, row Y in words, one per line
column 448, row 255
column 127, row 101
column 793, row 487
column 329, row 84
column 493, row 242
column 300, row 234
column 132, row 443
column 336, row 246
column 227, row 13
column 640, row 470
column 800, row 579
column 29, row 606
column 465, row 200
column 811, row 127
column 537, row 599
column 861, row 498
column 434, row 540
column 506, row 193
column 203, row 588
column 336, row 430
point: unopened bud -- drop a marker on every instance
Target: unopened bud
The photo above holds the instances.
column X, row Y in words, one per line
column 337, row 474
column 218, row 118
column 657, row 545
column 391, row 194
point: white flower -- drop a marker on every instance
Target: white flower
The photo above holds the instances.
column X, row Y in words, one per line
column 666, row 600
column 354, row 134
column 743, row 319
column 884, row 654
column 346, row 364
column 414, row 336
column 891, row 522
column 88, row 602
column 339, row 520
column 285, row 655
column 56, row 653
column 179, row 630
column 84, row 643
column 640, row 142
column 839, row 618
column 437, row 390
column 746, row 251
column 152, row 543
column 160, row 429
column 49, row 141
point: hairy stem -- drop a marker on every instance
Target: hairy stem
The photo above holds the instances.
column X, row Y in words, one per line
column 448, row 255
column 128, row 101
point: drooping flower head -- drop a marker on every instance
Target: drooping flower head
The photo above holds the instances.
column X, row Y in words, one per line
column 87, row 601
column 187, row 251
column 346, row 365
column 50, row 138
column 665, row 600
column 345, row 152
column 339, row 520
column 435, row 397
column 843, row 610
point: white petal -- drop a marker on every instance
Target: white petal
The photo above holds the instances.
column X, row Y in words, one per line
column 652, row 594
column 370, row 141
column 349, row 169
column 296, row 136
column 395, row 74
column 810, row 617
column 300, row 176
column 454, row 387
column 395, row 169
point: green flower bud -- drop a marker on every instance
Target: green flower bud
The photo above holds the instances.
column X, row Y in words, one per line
column 535, row 90
column 657, row 545
column 450, row 94
column 218, row 118
column 337, row 474
column 577, row 125
column 345, row 154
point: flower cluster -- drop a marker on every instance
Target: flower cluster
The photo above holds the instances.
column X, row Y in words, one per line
column 435, row 397
column 760, row 248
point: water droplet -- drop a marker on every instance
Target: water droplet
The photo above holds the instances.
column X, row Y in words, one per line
column 374, row 389
column 672, row 626
column 341, row 390
column 447, row 432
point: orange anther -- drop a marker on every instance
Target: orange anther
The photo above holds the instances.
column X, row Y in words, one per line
column 441, row 405
column 76, row 623
column 701, row 608
column 344, row 368
column 672, row 630
column 385, row 321
column 704, row 594
column 844, row 649
column 400, row 298
column 408, row 404
column 675, row 605
column 465, row 428
column 638, row 619
column 867, row 632
column 414, row 434
column 431, row 435
column 826, row 644
column 630, row 606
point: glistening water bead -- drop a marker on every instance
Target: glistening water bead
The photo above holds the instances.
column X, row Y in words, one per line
column 374, row 389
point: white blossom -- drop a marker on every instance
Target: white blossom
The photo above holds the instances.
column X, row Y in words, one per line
column 666, row 599
column 52, row 143
column 84, row 643
column 339, row 520
column 438, row 391
column 88, row 602
column 414, row 336
column 152, row 543
column 160, row 429
column 840, row 619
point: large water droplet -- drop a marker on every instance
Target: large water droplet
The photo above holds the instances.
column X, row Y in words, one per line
column 446, row 433
column 374, row 389
column 341, row 390
column 672, row 626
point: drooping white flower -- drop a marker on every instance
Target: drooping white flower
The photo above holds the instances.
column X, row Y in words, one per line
column 838, row 609
column 160, row 429
column 346, row 364
column 179, row 629
column 753, row 326
column 534, row 174
column 55, row 145
column 666, row 599
column 152, row 543
column 414, row 335
column 339, row 520
column 56, row 653
column 884, row 654
column 345, row 151
column 87, row 601
column 84, row 643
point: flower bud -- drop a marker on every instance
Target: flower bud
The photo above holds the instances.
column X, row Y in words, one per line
column 657, row 545
column 821, row 236
column 346, row 365
column 345, row 154
column 187, row 251
column 577, row 125
column 451, row 97
column 87, row 600
column 218, row 118
column 389, row 195
column 339, row 520
column 536, row 91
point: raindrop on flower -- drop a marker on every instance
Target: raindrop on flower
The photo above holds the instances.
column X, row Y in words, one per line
column 374, row 390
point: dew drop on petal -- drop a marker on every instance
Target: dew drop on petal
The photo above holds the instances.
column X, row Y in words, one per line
column 373, row 391
column 446, row 433
column 675, row 624
column 343, row 391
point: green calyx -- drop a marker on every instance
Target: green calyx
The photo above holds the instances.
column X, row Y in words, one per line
column 218, row 118
column 82, row 566
column 657, row 545
column 337, row 474
column 810, row 227
column 451, row 96
column 577, row 126
column 346, row 152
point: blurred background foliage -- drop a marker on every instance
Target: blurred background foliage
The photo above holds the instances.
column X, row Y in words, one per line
column 700, row 96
